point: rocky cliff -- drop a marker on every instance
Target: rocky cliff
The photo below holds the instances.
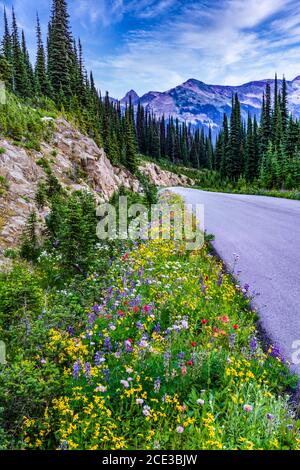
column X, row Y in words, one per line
column 76, row 161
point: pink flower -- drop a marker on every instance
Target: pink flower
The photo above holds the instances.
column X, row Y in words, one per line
column 180, row 429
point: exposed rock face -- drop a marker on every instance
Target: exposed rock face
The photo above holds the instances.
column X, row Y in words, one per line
column 165, row 178
column 76, row 161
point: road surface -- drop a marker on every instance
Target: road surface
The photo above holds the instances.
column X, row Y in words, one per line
column 265, row 233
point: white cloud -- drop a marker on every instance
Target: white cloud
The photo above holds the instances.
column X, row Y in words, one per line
column 228, row 42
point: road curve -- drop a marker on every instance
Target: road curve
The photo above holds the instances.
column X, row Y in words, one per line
column 265, row 233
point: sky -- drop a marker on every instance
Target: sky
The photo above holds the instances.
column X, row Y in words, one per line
column 155, row 45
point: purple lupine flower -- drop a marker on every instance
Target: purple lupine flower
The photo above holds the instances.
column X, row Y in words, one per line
column 76, row 369
column 270, row 417
column 107, row 344
column 232, row 338
column 92, row 318
column 157, row 385
column 106, row 373
column 87, row 370
column 276, row 353
column 220, row 279
column 253, row 344
column 246, row 287
column 201, row 280
column 157, row 328
column 70, row 331
column 96, row 308
column 180, row 355
column 139, row 325
column 98, row 358
column 203, row 288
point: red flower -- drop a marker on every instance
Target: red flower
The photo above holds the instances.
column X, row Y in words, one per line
column 235, row 327
column 121, row 313
column 193, row 344
column 125, row 257
column 225, row 319
column 204, row 322
column 135, row 309
column 189, row 363
column 206, row 278
column 146, row 308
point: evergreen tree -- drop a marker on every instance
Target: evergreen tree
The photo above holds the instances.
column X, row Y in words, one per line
column 41, row 77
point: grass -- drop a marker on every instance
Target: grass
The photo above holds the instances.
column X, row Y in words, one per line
column 165, row 357
column 207, row 180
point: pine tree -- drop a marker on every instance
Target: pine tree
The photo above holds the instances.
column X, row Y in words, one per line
column 20, row 80
column 130, row 141
column 42, row 81
column 30, row 78
column 60, row 51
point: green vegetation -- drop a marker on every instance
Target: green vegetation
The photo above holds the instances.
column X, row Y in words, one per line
column 104, row 353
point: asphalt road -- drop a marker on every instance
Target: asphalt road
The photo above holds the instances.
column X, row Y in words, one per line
column 265, row 233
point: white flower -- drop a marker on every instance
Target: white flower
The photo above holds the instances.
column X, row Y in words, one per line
column 200, row 402
column 101, row 388
column 129, row 370
column 125, row 383
column 139, row 401
column 147, row 410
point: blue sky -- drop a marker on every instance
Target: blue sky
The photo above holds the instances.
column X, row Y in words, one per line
column 156, row 45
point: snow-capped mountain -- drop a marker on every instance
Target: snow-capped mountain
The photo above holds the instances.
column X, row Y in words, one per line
column 204, row 105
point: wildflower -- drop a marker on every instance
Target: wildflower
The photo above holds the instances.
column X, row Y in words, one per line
column 135, row 309
column 121, row 313
column 43, row 361
column 139, row 401
column 146, row 410
column 232, row 340
column 253, row 344
column 193, row 344
column 225, row 319
column 157, row 385
column 180, row 429
column 87, row 369
column 204, row 322
column 220, row 279
column 247, row 408
column 270, row 417
column 106, row 345
column 128, row 345
column 200, row 402
column 235, row 326
column 98, row 358
column 184, row 324
column 189, row 363
column 125, row 383
column 143, row 343
column 129, row 370
column 76, row 369
column 101, row 388
column 183, row 370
